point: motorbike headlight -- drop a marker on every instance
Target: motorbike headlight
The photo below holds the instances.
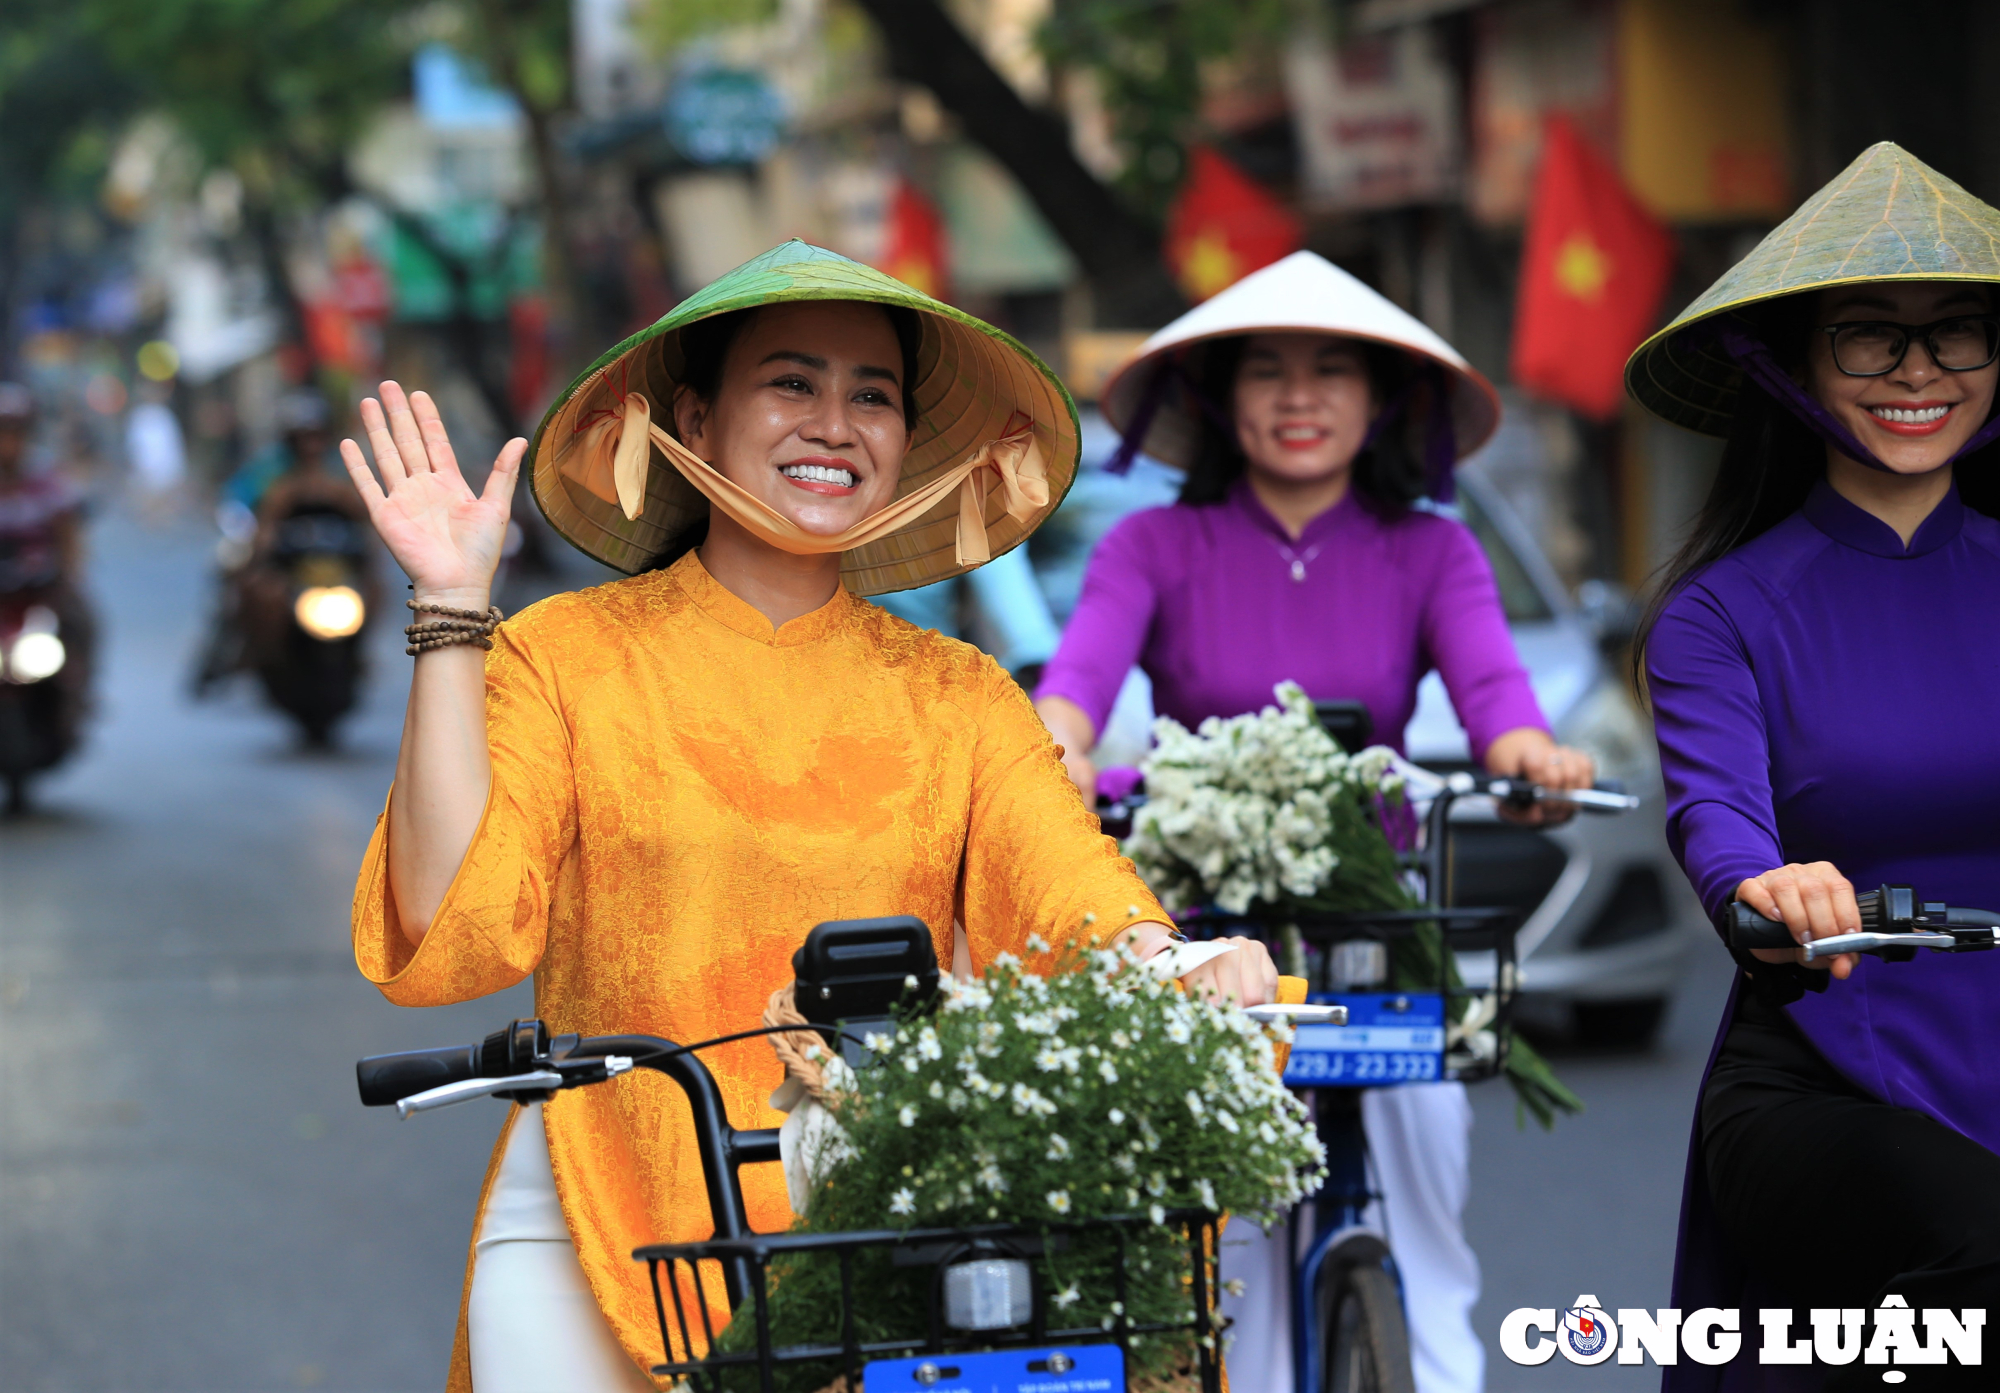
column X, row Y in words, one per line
column 35, row 657
column 330, row 611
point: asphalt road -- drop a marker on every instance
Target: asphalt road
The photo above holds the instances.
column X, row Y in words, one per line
column 192, row 1201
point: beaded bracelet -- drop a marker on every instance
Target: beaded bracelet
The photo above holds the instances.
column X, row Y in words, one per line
column 452, row 627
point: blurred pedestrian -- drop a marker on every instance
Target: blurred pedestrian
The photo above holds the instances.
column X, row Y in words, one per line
column 157, row 451
column 1314, row 418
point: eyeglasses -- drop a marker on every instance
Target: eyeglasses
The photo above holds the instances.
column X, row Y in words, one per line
column 1875, row 348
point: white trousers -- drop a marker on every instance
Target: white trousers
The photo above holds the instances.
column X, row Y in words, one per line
column 1419, row 1139
column 531, row 1322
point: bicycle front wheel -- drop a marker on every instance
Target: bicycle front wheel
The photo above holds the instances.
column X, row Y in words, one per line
column 1364, row 1342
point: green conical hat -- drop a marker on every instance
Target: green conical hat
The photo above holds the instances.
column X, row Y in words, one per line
column 971, row 380
column 1887, row 217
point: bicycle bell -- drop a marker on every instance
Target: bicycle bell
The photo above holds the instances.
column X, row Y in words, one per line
column 854, row 973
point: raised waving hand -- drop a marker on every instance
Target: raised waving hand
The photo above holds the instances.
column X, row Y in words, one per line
column 447, row 539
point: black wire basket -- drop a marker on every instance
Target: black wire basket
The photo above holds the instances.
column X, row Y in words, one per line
column 1471, row 1054
column 679, row 1283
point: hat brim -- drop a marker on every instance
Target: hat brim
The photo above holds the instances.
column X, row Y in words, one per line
column 1887, row 217
column 971, row 380
column 1687, row 381
column 1301, row 294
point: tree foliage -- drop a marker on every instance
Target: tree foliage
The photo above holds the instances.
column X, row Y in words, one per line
column 1148, row 57
column 668, row 24
column 276, row 90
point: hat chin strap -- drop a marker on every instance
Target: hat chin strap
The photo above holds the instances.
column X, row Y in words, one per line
column 1753, row 355
column 617, row 456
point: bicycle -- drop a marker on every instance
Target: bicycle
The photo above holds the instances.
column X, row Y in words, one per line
column 1350, row 1327
column 988, row 1318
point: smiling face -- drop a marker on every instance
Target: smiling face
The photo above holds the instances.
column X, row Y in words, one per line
column 808, row 413
column 1303, row 403
column 1916, row 416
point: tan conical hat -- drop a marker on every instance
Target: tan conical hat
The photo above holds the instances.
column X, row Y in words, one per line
column 1302, row 293
column 974, row 386
column 1886, row 217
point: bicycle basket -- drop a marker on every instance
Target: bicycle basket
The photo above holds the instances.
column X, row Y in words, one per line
column 888, row 1298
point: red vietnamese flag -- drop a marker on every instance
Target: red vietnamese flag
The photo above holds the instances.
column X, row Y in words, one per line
column 913, row 243
column 1592, row 273
column 1224, row 225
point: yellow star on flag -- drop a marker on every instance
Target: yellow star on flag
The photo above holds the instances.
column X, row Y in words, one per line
column 1209, row 265
column 1582, row 268
column 918, row 274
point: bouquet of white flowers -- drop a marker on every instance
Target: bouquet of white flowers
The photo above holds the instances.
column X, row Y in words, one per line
column 1267, row 813
column 1267, row 810
column 1034, row 1100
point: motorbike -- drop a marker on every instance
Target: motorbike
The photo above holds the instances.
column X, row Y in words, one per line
column 38, row 711
column 44, row 648
column 303, row 608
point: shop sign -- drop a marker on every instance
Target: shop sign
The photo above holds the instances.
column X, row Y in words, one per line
column 1377, row 119
column 724, row 116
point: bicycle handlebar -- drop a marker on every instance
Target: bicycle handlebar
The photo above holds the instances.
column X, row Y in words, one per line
column 1605, row 797
column 1894, row 924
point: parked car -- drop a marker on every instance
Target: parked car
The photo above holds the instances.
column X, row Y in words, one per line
column 1609, row 919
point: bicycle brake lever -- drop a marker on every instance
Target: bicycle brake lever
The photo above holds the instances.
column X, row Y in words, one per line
column 1874, row 943
column 1523, row 795
column 465, row 1090
column 562, row 1073
column 1275, row 1012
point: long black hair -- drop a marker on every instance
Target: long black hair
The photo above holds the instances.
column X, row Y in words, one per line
column 1770, row 463
column 1388, row 475
column 705, row 345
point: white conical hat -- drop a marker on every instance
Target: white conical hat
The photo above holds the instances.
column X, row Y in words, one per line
column 1304, row 293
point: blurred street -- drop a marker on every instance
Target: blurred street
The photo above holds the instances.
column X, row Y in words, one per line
column 224, row 222
column 194, row 1200
column 193, row 1197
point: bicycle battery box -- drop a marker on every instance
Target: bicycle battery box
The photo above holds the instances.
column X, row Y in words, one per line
column 1069, row 1369
column 856, row 972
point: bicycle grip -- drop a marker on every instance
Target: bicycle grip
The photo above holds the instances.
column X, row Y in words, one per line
column 1745, row 928
column 390, row 1078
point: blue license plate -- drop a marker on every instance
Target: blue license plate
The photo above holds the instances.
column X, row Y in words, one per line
column 1389, row 1038
column 1073, row 1369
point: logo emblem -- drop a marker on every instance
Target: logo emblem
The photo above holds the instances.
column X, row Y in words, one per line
column 1588, row 1334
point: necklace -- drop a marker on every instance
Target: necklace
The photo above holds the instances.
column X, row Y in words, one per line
column 1298, row 561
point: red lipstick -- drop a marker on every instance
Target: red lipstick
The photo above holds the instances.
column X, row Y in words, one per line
column 1911, row 428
